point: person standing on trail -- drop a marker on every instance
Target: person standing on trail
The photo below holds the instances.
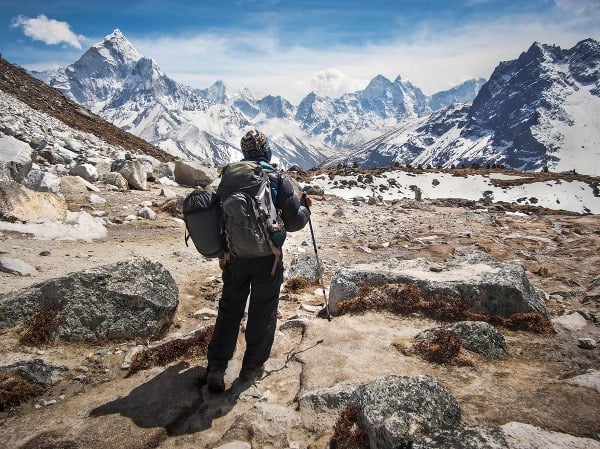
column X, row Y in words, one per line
column 260, row 277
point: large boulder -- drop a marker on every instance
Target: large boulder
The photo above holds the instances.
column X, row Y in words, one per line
column 126, row 300
column 73, row 185
column 134, row 171
column 397, row 410
column 495, row 288
column 194, row 173
column 115, row 179
column 18, row 203
column 42, row 181
column 15, row 159
column 86, row 171
column 418, row 412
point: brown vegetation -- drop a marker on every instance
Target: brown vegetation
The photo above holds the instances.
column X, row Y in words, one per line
column 346, row 433
column 296, row 284
column 41, row 327
column 14, row 389
column 406, row 299
column 442, row 347
column 170, row 351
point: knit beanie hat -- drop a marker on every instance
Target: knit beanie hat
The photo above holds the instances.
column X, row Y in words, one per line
column 255, row 146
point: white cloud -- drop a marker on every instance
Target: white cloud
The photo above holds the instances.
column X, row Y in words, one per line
column 47, row 30
column 333, row 83
column 433, row 58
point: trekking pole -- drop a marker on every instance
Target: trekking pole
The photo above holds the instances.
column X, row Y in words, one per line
column 312, row 233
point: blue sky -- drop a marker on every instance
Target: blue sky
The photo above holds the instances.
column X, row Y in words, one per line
column 289, row 48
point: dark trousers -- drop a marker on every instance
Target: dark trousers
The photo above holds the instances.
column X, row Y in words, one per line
column 243, row 276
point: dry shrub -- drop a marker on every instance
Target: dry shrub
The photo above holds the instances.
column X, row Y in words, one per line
column 173, row 207
column 405, row 299
column 170, row 351
column 446, row 308
column 296, row 284
column 14, row 389
column 42, row 325
column 346, row 433
column 531, row 322
column 442, row 347
column 396, row 298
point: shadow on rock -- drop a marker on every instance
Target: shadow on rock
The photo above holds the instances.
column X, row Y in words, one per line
column 174, row 400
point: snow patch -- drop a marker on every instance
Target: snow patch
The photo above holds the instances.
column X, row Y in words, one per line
column 77, row 226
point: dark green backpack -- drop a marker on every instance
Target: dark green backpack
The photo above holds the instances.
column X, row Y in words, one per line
column 250, row 219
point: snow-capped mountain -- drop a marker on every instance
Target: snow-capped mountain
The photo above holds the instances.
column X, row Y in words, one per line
column 115, row 81
column 100, row 72
column 541, row 110
column 357, row 117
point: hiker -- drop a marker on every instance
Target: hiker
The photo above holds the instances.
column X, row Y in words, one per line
column 261, row 277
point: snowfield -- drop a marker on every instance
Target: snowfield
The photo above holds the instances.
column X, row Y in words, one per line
column 571, row 196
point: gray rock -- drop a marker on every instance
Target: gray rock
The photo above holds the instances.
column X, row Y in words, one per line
column 96, row 199
column 115, row 179
column 329, row 399
column 398, row 410
column 304, row 266
column 194, row 173
column 38, row 143
column 476, row 336
column 526, row 436
column 297, row 323
column 132, row 299
column 42, row 181
column 134, row 171
column 102, row 165
column 492, row 287
column 586, row 343
column 464, row 437
column 16, row 266
column 86, row 171
column 339, row 212
column 15, row 159
column 146, row 212
column 73, row 144
column 37, row 371
column 19, row 203
column 169, row 194
column 589, row 379
column 59, row 155
column 572, row 322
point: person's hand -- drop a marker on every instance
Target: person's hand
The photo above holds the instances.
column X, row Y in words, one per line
column 222, row 263
column 305, row 200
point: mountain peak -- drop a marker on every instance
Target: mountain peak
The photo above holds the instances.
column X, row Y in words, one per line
column 116, row 46
column 116, row 34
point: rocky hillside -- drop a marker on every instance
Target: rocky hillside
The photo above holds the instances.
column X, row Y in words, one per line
column 41, row 97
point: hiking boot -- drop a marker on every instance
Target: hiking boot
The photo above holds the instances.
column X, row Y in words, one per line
column 250, row 374
column 215, row 381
